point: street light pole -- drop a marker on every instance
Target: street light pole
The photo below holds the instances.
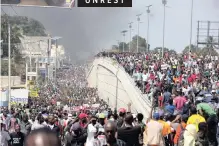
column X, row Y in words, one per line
column 130, row 29
column 148, row 12
column 56, row 47
column 191, row 23
column 164, row 2
column 118, row 44
column 9, row 66
column 56, row 64
column 138, row 19
column 124, row 32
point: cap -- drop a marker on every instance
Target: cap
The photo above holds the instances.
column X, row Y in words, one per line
column 101, row 116
column 122, row 110
column 82, row 115
column 156, row 116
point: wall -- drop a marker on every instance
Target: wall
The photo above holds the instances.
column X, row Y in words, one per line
column 15, row 80
column 103, row 75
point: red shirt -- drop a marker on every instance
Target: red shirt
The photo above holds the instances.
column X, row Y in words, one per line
column 190, row 79
column 193, row 76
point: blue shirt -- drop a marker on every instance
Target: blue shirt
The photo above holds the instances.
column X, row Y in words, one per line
column 170, row 108
column 166, row 96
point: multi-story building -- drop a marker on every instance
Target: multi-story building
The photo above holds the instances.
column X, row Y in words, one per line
column 41, row 56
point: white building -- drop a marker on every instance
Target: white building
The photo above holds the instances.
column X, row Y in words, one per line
column 40, row 55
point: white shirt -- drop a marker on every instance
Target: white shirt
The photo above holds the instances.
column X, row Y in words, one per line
column 91, row 131
column 51, row 126
column 36, row 125
column 4, row 137
column 144, row 77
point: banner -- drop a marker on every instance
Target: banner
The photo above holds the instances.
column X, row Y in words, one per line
column 33, row 93
column 19, row 96
column 40, row 3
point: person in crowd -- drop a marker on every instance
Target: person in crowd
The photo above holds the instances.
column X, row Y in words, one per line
column 153, row 132
column 110, row 130
column 202, row 138
column 5, row 137
column 166, row 96
column 180, row 100
column 77, row 135
column 83, row 120
column 129, row 133
column 100, row 129
column 52, row 126
column 91, row 131
column 140, row 123
column 17, row 137
column 206, row 111
column 25, row 125
column 166, row 128
column 38, row 123
column 178, row 138
column 122, row 113
column 42, row 137
column 195, row 118
column 190, row 135
column 170, row 108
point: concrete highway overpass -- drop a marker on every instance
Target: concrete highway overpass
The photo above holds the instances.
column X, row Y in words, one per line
column 116, row 87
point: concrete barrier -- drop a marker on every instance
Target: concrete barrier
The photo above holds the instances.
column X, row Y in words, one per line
column 116, row 87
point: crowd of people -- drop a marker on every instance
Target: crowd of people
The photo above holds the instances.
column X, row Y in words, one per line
column 184, row 92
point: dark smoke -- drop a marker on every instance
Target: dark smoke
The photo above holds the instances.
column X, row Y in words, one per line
column 83, row 30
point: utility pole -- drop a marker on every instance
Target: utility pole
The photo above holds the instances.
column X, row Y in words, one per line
column 124, row 32
column 191, row 23
column 9, row 66
column 164, row 2
column 48, row 58
column 130, row 32
column 138, row 19
column 148, row 12
column 56, row 65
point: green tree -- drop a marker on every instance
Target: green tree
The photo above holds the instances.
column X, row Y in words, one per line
column 141, row 44
column 4, row 68
column 126, row 47
column 19, row 26
column 15, row 37
column 194, row 49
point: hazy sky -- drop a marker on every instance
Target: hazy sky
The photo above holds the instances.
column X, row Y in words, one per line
column 87, row 30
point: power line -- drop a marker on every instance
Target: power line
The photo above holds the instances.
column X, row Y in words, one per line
column 14, row 10
column 4, row 11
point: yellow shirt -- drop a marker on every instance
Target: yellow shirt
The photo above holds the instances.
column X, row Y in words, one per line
column 166, row 128
column 195, row 119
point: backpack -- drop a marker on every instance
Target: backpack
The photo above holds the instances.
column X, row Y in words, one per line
column 181, row 137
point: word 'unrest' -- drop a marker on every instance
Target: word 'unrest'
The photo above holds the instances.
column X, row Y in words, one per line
column 104, row 1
